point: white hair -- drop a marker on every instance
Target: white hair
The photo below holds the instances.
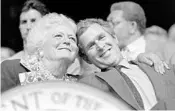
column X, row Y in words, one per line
column 37, row 35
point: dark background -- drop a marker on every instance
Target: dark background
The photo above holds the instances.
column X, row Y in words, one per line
column 158, row 12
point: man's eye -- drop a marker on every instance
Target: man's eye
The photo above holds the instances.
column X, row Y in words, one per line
column 92, row 46
column 33, row 20
column 23, row 21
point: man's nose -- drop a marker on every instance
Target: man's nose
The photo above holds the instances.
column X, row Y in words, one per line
column 29, row 25
column 100, row 45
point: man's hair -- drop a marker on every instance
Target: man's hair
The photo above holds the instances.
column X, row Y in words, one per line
column 131, row 12
column 38, row 33
column 35, row 4
column 83, row 25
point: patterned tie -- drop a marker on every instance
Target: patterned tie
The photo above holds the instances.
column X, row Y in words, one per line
column 132, row 87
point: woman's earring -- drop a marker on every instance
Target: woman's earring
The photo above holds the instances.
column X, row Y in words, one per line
column 40, row 53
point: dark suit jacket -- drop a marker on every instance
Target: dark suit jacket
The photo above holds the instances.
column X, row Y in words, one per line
column 166, row 104
column 9, row 73
column 164, row 85
column 10, row 70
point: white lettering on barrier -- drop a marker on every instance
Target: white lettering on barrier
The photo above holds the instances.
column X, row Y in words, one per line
column 53, row 100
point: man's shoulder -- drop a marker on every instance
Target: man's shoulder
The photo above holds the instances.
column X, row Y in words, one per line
column 18, row 55
column 169, row 74
column 144, row 66
column 164, row 84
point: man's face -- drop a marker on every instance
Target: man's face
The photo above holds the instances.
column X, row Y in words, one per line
column 120, row 26
column 61, row 43
column 27, row 21
column 100, row 47
column 5, row 53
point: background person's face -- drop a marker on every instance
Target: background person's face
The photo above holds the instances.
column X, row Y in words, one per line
column 120, row 26
column 5, row 54
column 100, row 47
column 27, row 20
column 61, row 43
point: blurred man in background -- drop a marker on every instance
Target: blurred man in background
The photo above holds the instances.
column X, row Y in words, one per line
column 6, row 53
column 31, row 12
column 129, row 24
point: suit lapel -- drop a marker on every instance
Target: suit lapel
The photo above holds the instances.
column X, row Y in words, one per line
column 115, row 80
column 156, row 80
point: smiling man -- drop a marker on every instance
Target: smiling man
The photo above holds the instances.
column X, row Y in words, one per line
column 136, row 84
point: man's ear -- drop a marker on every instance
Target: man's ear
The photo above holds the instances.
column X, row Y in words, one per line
column 133, row 27
column 115, row 38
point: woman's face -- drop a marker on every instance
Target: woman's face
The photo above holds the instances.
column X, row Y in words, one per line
column 61, row 43
column 27, row 21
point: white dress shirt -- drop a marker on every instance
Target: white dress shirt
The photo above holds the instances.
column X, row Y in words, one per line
column 131, row 51
column 141, row 82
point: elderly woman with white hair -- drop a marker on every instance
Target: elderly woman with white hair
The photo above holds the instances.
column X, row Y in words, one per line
column 51, row 49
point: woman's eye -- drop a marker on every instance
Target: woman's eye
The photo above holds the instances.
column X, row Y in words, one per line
column 58, row 35
column 72, row 38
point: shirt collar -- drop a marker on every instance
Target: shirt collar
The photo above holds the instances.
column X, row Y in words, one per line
column 137, row 44
column 124, row 63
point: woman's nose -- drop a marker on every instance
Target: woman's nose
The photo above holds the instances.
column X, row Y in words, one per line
column 66, row 40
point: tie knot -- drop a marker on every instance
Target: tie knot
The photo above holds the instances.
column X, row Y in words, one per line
column 119, row 67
